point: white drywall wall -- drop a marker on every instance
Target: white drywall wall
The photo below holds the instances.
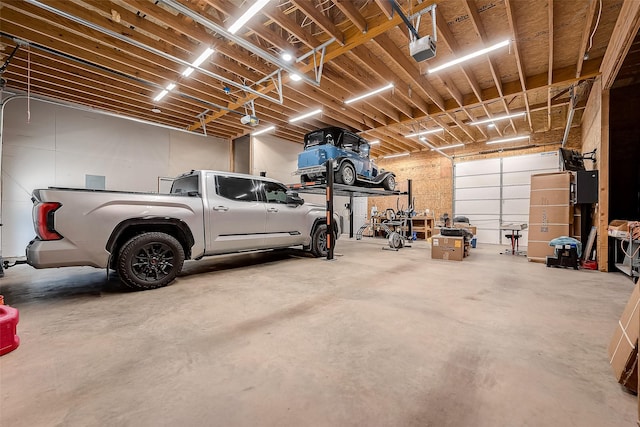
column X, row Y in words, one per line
column 60, row 145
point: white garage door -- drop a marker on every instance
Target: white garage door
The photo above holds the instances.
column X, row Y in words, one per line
column 494, row 191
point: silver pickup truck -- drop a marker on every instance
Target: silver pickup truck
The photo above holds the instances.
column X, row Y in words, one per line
column 146, row 237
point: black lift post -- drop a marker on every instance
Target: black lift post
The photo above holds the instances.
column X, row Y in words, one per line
column 329, row 175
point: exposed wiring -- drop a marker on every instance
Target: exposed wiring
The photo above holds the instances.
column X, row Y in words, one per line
column 594, row 29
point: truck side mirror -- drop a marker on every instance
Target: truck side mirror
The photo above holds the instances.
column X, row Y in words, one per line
column 294, row 199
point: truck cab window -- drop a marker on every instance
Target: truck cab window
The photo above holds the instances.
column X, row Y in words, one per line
column 274, row 193
column 185, row 185
column 236, row 188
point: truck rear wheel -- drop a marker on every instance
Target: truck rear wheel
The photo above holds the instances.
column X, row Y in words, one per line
column 150, row 260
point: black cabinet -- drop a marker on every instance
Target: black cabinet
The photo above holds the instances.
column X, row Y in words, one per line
column 586, row 187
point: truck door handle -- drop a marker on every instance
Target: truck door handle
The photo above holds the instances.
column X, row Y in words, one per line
column 221, row 208
column 272, row 210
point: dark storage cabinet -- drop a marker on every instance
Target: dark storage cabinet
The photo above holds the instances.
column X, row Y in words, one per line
column 586, row 187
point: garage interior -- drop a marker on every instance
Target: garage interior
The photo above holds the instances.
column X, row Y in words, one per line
column 127, row 94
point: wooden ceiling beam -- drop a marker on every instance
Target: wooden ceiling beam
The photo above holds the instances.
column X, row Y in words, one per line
column 624, row 33
column 385, row 7
column 309, row 9
column 396, row 140
column 352, row 13
column 90, row 88
column 291, row 26
column 128, row 18
column 563, row 77
column 228, row 8
column 332, row 108
column 198, row 33
column 352, row 39
column 480, row 31
column 409, row 68
column 382, row 70
column 516, row 51
column 586, row 31
column 360, row 83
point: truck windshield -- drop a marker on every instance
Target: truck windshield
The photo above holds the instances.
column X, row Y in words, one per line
column 185, row 185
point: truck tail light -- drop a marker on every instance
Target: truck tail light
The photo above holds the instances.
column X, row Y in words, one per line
column 44, row 221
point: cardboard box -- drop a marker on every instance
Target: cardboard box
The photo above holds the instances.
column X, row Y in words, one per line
column 618, row 228
column 550, row 198
column 449, row 248
column 553, row 180
column 539, row 251
column 550, row 213
column 619, row 225
column 623, row 349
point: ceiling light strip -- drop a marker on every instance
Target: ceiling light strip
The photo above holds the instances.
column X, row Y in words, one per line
column 255, row 8
column 470, row 56
column 424, row 132
column 391, row 156
column 261, row 131
column 447, row 147
column 366, row 95
column 374, row 142
column 515, row 138
column 161, row 95
column 305, row 116
column 495, row 119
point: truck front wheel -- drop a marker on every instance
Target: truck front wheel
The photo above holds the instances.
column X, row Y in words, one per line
column 150, row 260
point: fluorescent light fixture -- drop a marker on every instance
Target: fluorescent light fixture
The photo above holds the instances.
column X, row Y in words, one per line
column 446, row 147
column 286, row 56
column 171, row 86
column 373, row 92
column 295, row 77
column 203, row 57
column 424, row 132
column 391, row 156
column 255, row 8
column 307, row 115
column 265, row 130
column 187, row 72
column 375, row 141
column 514, row 138
column 161, row 95
column 495, row 119
column 470, row 56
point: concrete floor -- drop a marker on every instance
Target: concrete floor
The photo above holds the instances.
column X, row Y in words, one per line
column 374, row 338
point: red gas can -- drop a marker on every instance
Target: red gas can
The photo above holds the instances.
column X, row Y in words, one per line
column 9, row 339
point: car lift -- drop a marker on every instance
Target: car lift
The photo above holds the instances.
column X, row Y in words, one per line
column 330, row 188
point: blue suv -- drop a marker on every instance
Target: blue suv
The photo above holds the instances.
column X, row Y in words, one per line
column 352, row 164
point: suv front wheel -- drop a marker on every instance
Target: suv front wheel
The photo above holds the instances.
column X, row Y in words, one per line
column 319, row 241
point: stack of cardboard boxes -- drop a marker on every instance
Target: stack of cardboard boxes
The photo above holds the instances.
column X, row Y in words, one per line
column 550, row 212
